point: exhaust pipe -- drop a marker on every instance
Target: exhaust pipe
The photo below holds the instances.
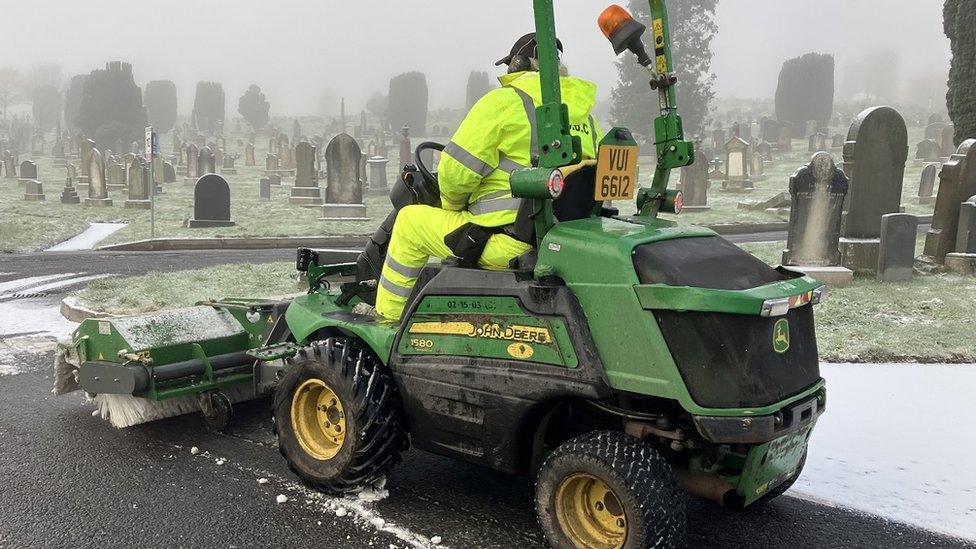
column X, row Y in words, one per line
column 711, row 488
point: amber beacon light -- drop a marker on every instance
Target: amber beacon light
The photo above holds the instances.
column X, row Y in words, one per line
column 624, row 32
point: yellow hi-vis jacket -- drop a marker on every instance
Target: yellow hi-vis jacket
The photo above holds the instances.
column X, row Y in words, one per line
column 499, row 136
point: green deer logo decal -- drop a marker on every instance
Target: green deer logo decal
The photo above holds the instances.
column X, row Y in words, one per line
column 781, row 336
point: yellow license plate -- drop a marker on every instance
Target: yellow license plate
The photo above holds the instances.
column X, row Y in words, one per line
column 616, row 172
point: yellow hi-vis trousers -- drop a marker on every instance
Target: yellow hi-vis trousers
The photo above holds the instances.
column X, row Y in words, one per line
column 419, row 234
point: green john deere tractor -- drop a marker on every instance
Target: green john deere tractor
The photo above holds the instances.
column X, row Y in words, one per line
column 626, row 361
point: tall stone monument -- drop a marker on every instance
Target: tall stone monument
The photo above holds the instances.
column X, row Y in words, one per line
column 344, row 190
column 817, row 192
column 306, row 191
column 874, row 161
column 957, row 182
column 97, row 187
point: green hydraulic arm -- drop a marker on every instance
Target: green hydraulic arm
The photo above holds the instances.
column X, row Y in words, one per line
column 558, row 147
column 672, row 150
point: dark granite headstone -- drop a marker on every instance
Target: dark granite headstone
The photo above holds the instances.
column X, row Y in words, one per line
column 69, row 195
column 769, row 130
column 926, row 183
column 344, row 191
column 966, row 235
column 896, row 258
column 265, row 189
column 28, row 170
column 957, row 182
column 874, row 161
column 928, row 150
column 817, row 193
column 211, row 202
column 169, row 172
column 947, row 141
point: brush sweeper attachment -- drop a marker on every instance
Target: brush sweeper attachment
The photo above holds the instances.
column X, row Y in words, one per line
column 146, row 367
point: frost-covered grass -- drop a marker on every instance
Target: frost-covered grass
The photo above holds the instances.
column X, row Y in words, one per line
column 156, row 291
column 929, row 319
column 26, row 226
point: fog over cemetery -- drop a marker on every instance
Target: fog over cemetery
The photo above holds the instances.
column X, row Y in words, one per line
column 170, row 160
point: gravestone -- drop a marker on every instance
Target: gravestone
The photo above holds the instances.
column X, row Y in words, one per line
column 934, row 132
column 87, row 145
column 363, row 159
column 138, row 176
column 192, row 154
column 228, row 165
column 817, row 192
column 69, row 195
column 9, row 165
column 206, row 162
column 784, row 143
column 896, row 257
column 810, row 129
column 745, row 132
column 275, row 180
column 406, row 152
column 271, row 164
column 718, row 138
column 211, row 202
column 72, row 172
column 97, row 188
column 344, row 190
column 285, row 154
column 249, row 154
column 34, row 191
column 874, row 161
column 963, row 260
column 757, row 168
column 218, row 160
column 169, row 172
column 158, row 172
column 265, row 189
column 115, row 176
column 694, row 185
column 926, row 184
column 737, row 166
column 947, row 141
column 837, row 141
column 28, row 171
column 765, row 150
column 769, row 130
column 306, row 191
column 715, row 172
column 928, row 150
column 817, row 142
column 957, row 181
column 378, row 182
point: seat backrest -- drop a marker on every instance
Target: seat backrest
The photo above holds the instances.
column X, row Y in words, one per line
column 576, row 200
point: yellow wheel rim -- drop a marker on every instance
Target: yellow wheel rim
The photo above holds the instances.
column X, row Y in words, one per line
column 318, row 420
column 589, row 513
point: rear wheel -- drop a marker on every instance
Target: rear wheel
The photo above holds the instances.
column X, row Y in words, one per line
column 338, row 418
column 608, row 490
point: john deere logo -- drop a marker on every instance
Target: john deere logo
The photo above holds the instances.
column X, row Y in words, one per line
column 781, row 336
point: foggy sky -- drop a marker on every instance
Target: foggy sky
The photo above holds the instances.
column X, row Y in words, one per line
column 296, row 49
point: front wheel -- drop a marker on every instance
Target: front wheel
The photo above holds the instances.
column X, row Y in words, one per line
column 338, row 417
column 608, row 490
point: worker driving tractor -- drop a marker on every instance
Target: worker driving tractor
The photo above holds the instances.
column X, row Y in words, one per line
column 476, row 220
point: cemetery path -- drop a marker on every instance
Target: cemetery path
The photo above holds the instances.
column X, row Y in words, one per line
column 87, row 240
column 73, row 480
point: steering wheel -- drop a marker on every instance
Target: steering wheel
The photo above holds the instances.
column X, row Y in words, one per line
column 429, row 176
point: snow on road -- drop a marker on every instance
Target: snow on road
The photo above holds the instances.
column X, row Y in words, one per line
column 896, row 441
column 95, row 233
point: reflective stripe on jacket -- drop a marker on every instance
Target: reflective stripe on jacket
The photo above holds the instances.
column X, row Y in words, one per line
column 498, row 136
